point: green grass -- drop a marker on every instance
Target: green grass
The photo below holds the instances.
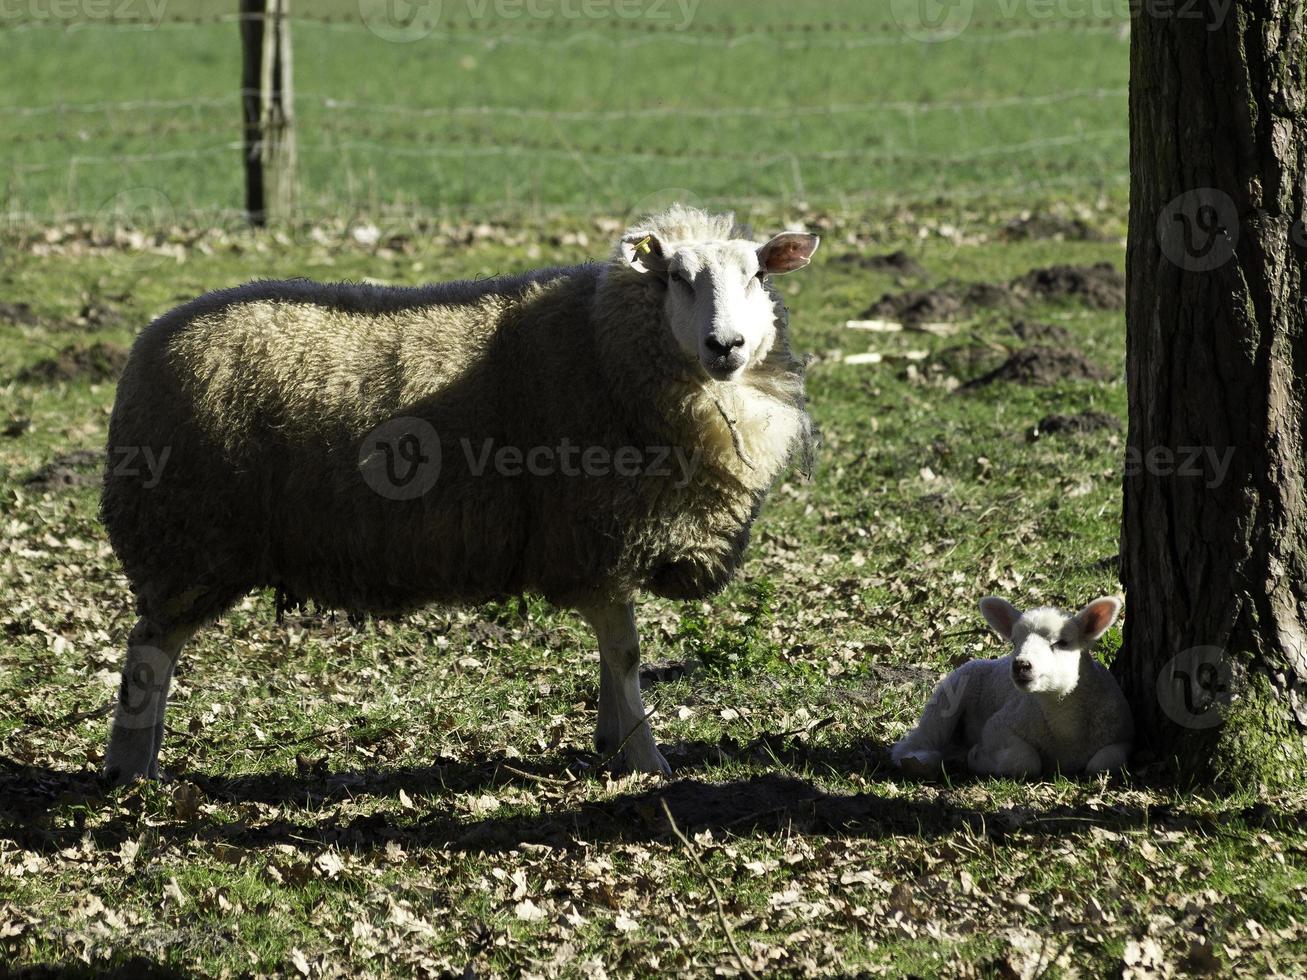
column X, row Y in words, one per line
column 418, row 796
column 742, row 106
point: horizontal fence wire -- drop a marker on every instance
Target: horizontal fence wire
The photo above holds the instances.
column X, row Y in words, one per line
column 348, row 140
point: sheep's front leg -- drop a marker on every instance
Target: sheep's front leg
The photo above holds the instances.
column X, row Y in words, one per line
column 137, row 731
column 1109, row 758
column 621, row 709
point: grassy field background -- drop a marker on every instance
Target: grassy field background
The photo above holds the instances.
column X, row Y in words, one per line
column 736, row 103
column 419, row 797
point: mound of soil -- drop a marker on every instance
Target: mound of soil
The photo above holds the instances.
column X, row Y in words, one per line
column 1048, row 226
column 78, row 469
column 900, row 263
column 1041, row 333
column 99, row 362
column 917, row 306
column 1100, row 287
column 1041, row 366
column 1090, row 421
column 968, row 360
column 20, row 314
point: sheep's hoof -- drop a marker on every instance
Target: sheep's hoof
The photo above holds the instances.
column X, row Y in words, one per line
column 651, row 762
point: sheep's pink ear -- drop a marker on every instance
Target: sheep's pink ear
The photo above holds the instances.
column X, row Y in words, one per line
column 644, row 253
column 1097, row 617
column 787, row 253
column 1000, row 614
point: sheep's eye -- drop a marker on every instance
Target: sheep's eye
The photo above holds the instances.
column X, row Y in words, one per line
column 679, row 277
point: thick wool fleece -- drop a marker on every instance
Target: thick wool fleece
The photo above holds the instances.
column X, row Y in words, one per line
column 262, row 395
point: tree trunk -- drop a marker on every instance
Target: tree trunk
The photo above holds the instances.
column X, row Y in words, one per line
column 1214, row 544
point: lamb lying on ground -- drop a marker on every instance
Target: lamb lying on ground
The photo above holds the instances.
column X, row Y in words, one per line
column 583, row 433
column 1045, row 708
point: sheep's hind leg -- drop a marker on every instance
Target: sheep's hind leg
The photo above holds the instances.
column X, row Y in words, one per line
column 619, row 652
column 137, row 732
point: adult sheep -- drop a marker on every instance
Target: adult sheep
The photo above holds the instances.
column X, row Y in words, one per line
column 584, row 433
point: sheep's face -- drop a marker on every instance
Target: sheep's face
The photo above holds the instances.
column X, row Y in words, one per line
column 717, row 306
column 1047, row 645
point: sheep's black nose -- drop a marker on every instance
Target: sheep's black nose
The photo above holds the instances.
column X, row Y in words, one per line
column 1023, row 670
column 719, row 345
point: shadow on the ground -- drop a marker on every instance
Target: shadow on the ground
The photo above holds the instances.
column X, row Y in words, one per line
column 764, row 803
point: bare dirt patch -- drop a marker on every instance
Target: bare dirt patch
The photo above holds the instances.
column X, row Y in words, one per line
column 82, row 468
column 1041, row 333
column 899, row 263
column 1050, row 227
column 1041, row 366
column 1087, row 421
column 101, row 361
column 1099, row 287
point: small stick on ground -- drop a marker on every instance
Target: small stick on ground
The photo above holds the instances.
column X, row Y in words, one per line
column 712, row 887
column 548, row 780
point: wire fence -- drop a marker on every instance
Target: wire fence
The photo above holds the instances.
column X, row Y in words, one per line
column 505, row 116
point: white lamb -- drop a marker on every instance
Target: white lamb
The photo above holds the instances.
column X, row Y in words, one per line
column 1045, row 708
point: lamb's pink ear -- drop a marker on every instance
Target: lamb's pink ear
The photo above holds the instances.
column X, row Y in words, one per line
column 787, row 253
column 1097, row 617
column 644, row 253
column 1000, row 614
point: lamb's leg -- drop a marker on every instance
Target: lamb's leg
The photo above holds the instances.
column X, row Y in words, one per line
column 619, row 651
column 137, row 732
column 1109, row 759
column 1003, row 755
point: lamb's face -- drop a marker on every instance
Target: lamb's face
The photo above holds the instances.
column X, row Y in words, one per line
column 1046, row 648
column 717, row 306
column 1047, row 645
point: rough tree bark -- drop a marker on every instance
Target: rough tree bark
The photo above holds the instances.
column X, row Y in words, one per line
column 1214, row 549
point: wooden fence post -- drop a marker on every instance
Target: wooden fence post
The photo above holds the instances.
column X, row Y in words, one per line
column 266, row 103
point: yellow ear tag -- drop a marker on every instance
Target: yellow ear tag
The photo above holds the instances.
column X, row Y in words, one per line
column 643, row 246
